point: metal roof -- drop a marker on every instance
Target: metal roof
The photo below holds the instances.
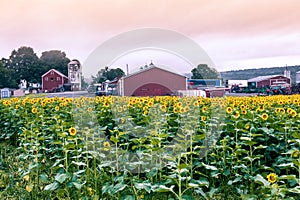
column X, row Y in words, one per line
column 59, row 73
column 152, row 66
column 262, row 78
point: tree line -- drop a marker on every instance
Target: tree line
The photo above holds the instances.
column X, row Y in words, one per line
column 251, row 73
column 24, row 63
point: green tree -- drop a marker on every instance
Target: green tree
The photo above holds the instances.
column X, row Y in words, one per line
column 6, row 79
column 55, row 59
column 24, row 63
column 84, row 84
column 202, row 71
column 107, row 74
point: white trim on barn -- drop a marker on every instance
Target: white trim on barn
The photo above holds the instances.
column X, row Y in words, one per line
column 59, row 73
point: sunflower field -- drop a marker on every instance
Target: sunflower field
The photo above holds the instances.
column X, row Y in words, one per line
column 150, row 148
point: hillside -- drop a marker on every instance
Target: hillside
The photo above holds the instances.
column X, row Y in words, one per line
column 251, row 73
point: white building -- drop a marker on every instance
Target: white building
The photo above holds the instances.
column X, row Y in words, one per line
column 6, row 92
column 74, row 74
column 240, row 83
column 298, row 77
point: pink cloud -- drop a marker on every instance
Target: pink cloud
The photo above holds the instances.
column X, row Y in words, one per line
column 227, row 29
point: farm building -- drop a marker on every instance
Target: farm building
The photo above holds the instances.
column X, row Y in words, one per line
column 52, row 80
column 203, row 83
column 240, row 83
column 298, row 77
column 151, row 81
column 6, row 92
column 263, row 81
column 75, row 74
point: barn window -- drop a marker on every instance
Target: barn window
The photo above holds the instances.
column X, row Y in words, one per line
column 51, row 72
column 58, row 78
column 46, row 79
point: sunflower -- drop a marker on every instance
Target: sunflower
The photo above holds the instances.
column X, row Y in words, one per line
column 204, row 109
column 57, row 108
column 122, row 120
column 106, row 146
column 264, row 116
column 295, row 154
column 72, row 131
column 26, row 178
column 261, row 108
column 295, row 101
column 34, row 110
column 272, row 177
column 150, row 104
column 5, row 103
column 179, row 104
column 90, row 109
column 106, row 104
column 236, row 115
column 90, row 190
column 293, row 113
column 203, row 118
column 229, row 110
column 175, row 110
column 163, row 107
column 281, row 110
column 181, row 110
column 244, row 112
column 187, row 109
column 145, row 108
column 247, row 126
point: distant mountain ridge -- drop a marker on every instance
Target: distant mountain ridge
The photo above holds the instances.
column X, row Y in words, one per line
column 251, row 73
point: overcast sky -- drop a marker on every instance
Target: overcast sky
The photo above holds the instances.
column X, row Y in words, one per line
column 236, row 34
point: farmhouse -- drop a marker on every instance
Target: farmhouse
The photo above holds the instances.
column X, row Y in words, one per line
column 152, row 81
column 52, row 80
column 263, row 81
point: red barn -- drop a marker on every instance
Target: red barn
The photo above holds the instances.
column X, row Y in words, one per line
column 264, row 81
column 52, row 80
column 152, row 81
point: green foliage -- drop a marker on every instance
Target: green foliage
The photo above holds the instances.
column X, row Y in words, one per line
column 150, row 148
column 204, row 72
column 107, row 74
column 23, row 61
column 54, row 59
column 7, row 79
